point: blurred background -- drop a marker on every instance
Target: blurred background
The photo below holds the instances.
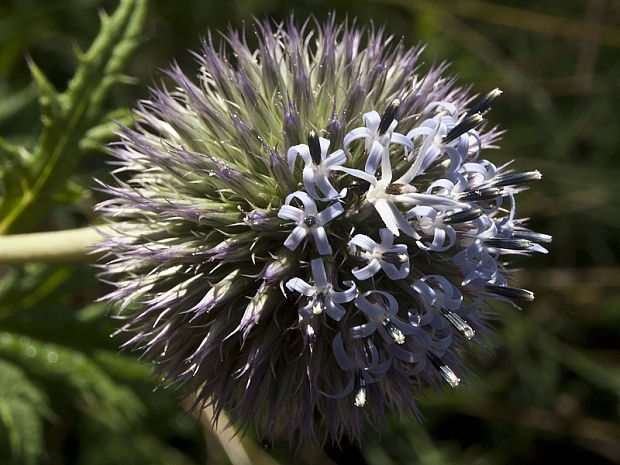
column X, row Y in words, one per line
column 549, row 393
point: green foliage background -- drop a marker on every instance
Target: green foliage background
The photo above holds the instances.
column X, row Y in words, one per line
column 550, row 391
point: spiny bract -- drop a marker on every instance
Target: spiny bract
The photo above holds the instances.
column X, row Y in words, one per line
column 307, row 235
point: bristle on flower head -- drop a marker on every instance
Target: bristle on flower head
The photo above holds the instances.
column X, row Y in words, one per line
column 304, row 233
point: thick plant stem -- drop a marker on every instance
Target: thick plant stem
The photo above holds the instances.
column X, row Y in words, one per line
column 73, row 245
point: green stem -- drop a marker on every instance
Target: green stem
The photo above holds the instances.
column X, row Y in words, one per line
column 49, row 247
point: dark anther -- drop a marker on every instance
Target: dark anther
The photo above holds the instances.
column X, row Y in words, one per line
column 388, row 116
column 508, row 243
column 517, row 178
column 434, row 360
column 359, row 186
column 486, row 193
column 463, row 215
column 469, row 122
column 510, row 292
column 310, row 221
column 394, row 189
column 394, row 258
column 315, row 147
column 532, row 236
column 484, row 103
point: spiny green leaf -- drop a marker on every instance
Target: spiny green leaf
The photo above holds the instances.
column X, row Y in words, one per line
column 107, row 56
column 22, row 410
column 48, row 96
column 13, row 170
column 67, row 117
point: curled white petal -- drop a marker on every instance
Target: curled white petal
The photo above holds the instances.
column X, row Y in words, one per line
column 295, row 237
column 326, row 188
column 357, row 133
column 335, row 159
column 302, row 150
column 308, row 203
column 374, row 157
column 361, row 331
column 330, row 213
column 287, row 212
column 318, row 272
column 320, row 238
column 334, row 310
column 342, row 359
column 368, row 271
column 364, row 242
column 396, row 273
column 372, row 119
column 345, row 296
column 299, row 285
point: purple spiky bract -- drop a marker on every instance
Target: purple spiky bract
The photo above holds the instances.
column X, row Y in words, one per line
column 306, row 235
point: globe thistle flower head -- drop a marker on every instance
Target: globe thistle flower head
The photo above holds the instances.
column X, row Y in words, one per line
column 306, row 234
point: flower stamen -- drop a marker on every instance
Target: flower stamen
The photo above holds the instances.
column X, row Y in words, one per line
column 314, row 146
column 445, row 371
column 388, row 116
column 360, row 390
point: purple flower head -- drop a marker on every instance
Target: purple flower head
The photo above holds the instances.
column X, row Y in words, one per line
column 309, row 298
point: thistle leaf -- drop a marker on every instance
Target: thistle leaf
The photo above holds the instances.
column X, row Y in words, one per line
column 22, row 410
column 49, row 98
column 68, row 116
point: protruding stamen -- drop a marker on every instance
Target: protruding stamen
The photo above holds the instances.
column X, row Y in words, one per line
column 487, row 193
column 445, row 371
column 517, row 178
column 310, row 221
column 315, row 147
column 449, row 376
column 310, row 334
column 463, row 215
column 484, row 103
column 318, row 304
column 508, row 243
column 360, row 390
column 394, row 258
column 459, row 323
column 388, row 116
column 395, row 189
column 393, row 331
column 511, row 292
column 532, row 236
column 469, row 122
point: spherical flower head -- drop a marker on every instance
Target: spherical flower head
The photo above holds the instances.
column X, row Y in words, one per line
column 306, row 234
